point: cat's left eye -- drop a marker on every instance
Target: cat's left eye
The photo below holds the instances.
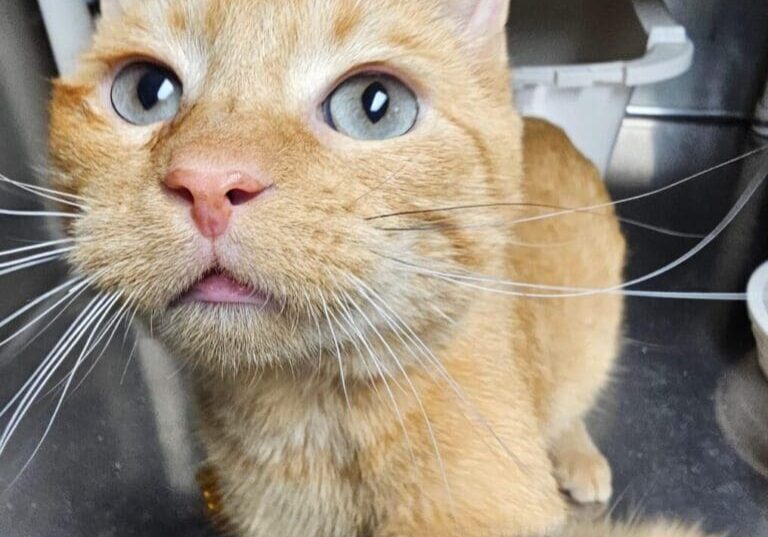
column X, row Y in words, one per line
column 144, row 93
column 372, row 106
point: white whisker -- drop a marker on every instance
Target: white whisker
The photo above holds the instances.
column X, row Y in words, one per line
column 32, row 379
column 135, row 344
column 82, row 287
column 18, row 268
column 35, row 302
column 58, row 193
column 129, row 361
column 660, row 229
column 652, row 193
column 435, row 362
column 40, row 246
column 338, row 352
column 47, row 214
column 112, row 325
column 372, row 375
column 383, row 376
column 343, row 327
column 442, row 314
column 42, row 255
column 316, row 318
column 41, row 192
column 348, row 328
column 71, row 296
column 414, row 391
column 83, row 354
column 51, row 364
column 588, row 209
column 437, row 226
column 623, row 289
column 567, row 292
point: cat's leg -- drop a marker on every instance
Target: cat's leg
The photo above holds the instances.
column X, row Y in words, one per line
column 496, row 478
column 547, row 526
column 579, row 337
column 485, row 498
column 580, row 369
column 580, row 468
column 583, row 348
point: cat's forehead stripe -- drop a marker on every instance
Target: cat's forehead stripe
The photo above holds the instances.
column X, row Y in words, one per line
column 347, row 21
column 177, row 19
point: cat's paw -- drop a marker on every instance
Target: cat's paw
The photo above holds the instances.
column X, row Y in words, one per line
column 584, row 475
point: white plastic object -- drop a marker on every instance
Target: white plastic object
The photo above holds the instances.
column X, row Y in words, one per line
column 70, row 29
column 757, row 301
column 589, row 100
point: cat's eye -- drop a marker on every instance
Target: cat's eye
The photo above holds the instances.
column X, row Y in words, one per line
column 144, row 93
column 372, row 107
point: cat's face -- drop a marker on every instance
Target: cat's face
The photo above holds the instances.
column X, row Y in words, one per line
column 238, row 159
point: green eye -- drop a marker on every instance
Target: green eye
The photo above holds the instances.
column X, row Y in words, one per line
column 144, row 93
column 372, row 107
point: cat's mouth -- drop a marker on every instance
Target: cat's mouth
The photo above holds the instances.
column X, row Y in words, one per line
column 219, row 288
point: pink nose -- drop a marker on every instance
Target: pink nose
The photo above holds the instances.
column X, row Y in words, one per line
column 213, row 194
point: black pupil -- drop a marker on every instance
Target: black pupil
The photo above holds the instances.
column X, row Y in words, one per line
column 376, row 102
column 153, row 88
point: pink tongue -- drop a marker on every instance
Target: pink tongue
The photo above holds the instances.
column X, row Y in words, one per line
column 220, row 289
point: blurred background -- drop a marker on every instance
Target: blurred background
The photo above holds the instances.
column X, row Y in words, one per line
column 653, row 91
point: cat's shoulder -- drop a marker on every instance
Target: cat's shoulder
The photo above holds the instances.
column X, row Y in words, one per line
column 545, row 142
column 555, row 170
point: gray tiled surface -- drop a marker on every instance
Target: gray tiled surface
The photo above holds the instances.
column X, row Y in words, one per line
column 119, row 462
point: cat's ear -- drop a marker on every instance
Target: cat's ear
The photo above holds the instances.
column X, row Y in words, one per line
column 481, row 20
column 111, row 9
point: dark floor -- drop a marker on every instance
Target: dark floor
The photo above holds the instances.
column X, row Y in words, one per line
column 119, row 463
column 658, row 423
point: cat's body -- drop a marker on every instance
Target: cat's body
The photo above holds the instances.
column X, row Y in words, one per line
column 527, row 371
column 380, row 389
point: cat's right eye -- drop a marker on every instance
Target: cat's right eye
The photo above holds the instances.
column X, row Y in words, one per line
column 144, row 93
column 372, row 106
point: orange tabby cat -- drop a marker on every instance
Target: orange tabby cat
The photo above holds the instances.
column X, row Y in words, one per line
column 311, row 199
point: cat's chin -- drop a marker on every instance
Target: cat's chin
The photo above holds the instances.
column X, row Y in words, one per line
column 233, row 336
column 236, row 338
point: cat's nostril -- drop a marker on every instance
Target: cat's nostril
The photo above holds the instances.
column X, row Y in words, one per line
column 181, row 193
column 238, row 196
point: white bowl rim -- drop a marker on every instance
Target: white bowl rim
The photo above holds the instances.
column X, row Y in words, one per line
column 756, row 298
